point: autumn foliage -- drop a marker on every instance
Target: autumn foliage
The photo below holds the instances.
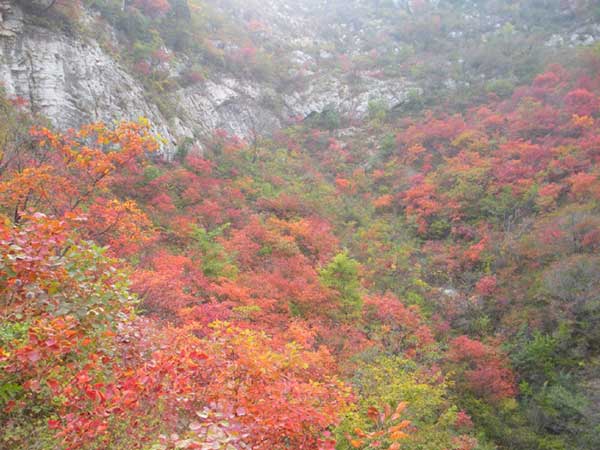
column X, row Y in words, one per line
column 300, row 296
column 76, row 346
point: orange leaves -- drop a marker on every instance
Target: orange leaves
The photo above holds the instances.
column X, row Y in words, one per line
column 67, row 171
column 246, row 367
column 356, row 443
column 343, row 184
column 313, row 235
column 397, row 435
column 97, row 368
column 198, row 356
column 28, row 255
column 414, row 153
column 360, row 433
column 584, row 185
column 399, row 410
column 118, row 224
column 383, row 201
column 387, row 429
column 373, row 413
column 474, row 253
column 32, row 189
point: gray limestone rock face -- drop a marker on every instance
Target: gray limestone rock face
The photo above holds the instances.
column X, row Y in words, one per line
column 72, row 81
column 235, row 106
column 11, row 19
column 244, row 108
column 350, row 98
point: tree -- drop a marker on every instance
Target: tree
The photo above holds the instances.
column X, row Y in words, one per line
column 341, row 275
column 401, row 407
column 484, row 370
column 66, row 172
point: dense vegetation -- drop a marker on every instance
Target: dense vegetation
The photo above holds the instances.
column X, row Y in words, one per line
column 430, row 280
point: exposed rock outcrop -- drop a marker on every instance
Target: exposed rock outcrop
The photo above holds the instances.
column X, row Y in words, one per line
column 69, row 80
column 73, row 81
column 11, row 19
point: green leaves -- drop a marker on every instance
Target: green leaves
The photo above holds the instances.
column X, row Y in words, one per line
column 215, row 262
column 9, row 391
column 341, row 275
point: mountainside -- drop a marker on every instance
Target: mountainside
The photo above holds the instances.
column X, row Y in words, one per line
column 70, row 78
column 287, row 225
column 293, row 60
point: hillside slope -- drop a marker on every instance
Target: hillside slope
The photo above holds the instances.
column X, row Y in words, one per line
column 250, row 68
column 362, row 225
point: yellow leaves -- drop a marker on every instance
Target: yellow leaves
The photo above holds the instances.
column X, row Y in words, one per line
column 355, row 443
column 144, row 122
column 4, row 355
column 584, row 122
column 470, row 140
column 421, row 284
column 413, row 153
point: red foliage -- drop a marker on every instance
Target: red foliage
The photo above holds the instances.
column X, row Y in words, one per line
column 582, row 102
column 463, row 420
column 143, row 67
column 484, row 368
column 153, row 8
column 486, row 285
column 584, row 186
column 203, row 242
column 193, row 76
column 169, row 283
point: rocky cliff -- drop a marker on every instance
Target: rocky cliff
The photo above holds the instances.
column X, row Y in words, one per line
column 70, row 77
column 72, row 80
